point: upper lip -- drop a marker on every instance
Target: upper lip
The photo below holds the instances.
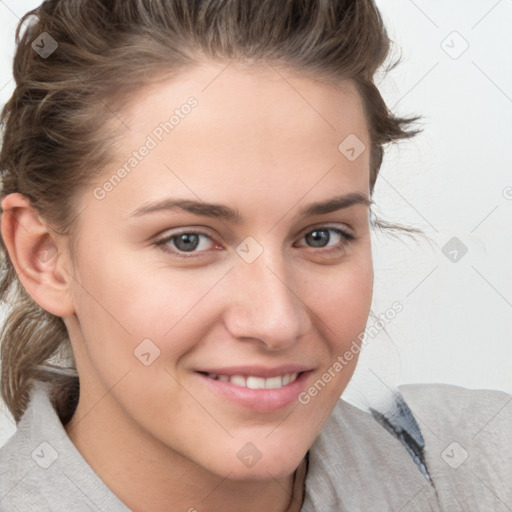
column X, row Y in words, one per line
column 257, row 371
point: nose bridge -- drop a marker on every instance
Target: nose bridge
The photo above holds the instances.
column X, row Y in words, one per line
column 265, row 304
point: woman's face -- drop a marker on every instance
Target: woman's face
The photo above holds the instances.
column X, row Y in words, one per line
column 250, row 278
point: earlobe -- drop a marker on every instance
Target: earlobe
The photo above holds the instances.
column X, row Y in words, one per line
column 36, row 255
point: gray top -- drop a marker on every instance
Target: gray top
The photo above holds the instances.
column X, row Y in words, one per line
column 459, row 459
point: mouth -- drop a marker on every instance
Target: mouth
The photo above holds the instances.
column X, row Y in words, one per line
column 255, row 382
column 253, row 392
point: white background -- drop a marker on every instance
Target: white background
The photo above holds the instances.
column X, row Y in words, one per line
column 453, row 180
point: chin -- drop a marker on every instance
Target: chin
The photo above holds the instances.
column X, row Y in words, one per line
column 260, row 472
column 249, row 463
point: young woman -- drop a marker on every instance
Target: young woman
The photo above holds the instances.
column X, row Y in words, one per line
column 186, row 224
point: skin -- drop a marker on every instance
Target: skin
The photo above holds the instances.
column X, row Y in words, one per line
column 264, row 143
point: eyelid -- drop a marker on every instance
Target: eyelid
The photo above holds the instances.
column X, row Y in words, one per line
column 344, row 228
column 197, row 230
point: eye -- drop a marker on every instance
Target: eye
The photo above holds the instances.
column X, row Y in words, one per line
column 185, row 242
column 321, row 237
column 194, row 242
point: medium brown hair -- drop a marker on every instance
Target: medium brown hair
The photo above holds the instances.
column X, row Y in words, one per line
column 57, row 132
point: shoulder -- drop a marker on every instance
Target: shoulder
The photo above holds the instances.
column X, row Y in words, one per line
column 19, row 486
column 468, row 412
column 42, row 470
column 357, row 464
column 430, row 393
column 437, row 447
column 468, row 441
column 19, row 491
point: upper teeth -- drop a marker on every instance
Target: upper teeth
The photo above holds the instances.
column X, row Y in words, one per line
column 252, row 382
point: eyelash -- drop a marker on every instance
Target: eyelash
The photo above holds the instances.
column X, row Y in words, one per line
column 346, row 239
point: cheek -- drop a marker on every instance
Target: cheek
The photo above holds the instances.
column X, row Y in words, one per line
column 341, row 300
column 125, row 301
column 342, row 310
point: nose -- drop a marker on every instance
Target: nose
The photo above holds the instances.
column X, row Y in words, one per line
column 265, row 304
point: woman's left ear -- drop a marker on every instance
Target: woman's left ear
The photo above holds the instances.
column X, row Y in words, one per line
column 38, row 255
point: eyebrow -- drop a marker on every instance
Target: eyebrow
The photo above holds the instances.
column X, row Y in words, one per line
column 223, row 212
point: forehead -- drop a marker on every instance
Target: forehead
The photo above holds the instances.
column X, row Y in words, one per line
column 250, row 97
column 261, row 127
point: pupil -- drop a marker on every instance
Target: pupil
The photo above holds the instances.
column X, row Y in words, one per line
column 187, row 241
column 317, row 238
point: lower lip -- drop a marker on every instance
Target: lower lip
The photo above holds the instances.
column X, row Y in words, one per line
column 259, row 400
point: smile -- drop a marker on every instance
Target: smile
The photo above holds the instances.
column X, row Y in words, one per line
column 259, row 393
column 253, row 382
